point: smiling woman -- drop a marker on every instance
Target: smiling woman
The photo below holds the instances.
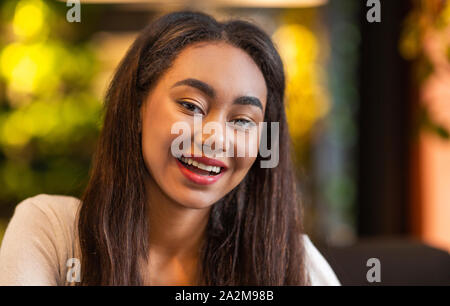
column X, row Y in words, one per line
column 148, row 217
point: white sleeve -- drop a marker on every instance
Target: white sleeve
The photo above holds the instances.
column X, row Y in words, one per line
column 320, row 272
column 28, row 254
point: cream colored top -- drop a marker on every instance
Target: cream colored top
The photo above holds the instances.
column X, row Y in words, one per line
column 41, row 238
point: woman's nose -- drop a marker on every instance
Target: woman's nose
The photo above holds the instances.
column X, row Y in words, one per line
column 212, row 137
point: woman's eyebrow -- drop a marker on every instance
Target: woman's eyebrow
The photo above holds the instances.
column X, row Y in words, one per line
column 200, row 85
column 248, row 100
column 209, row 91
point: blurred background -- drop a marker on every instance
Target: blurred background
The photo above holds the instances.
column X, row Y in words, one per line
column 368, row 106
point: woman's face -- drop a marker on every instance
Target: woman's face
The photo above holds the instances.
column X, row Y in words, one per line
column 218, row 83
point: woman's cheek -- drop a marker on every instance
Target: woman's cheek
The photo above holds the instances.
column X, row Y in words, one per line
column 247, row 145
column 243, row 164
column 156, row 140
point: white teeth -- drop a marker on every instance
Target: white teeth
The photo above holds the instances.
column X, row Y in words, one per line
column 189, row 161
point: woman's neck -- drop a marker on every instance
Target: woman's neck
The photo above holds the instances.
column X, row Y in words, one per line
column 176, row 235
column 174, row 229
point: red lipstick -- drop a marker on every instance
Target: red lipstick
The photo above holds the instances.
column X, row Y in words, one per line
column 200, row 178
column 209, row 161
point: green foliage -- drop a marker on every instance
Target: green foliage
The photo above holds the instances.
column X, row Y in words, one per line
column 424, row 40
column 432, row 126
column 49, row 112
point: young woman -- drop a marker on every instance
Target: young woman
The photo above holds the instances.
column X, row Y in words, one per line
column 149, row 217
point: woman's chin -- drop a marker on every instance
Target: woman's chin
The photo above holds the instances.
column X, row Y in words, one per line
column 193, row 199
column 195, row 204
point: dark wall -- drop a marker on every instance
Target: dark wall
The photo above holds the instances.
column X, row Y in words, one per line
column 384, row 126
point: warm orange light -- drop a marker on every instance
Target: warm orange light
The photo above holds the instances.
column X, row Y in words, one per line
column 435, row 170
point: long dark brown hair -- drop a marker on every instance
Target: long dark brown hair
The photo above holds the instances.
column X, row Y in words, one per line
column 254, row 233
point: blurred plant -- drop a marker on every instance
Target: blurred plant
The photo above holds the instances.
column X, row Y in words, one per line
column 49, row 114
column 307, row 98
column 426, row 41
column 321, row 98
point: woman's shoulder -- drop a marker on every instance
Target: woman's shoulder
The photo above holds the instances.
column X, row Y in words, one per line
column 56, row 207
column 49, row 210
column 38, row 240
column 320, row 272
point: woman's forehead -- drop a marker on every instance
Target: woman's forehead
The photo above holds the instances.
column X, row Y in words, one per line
column 226, row 68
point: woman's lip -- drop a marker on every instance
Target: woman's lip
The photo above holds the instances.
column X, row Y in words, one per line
column 208, row 161
column 197, row 178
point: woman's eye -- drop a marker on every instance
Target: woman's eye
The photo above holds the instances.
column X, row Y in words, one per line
column 244, row 123
column 191, row 107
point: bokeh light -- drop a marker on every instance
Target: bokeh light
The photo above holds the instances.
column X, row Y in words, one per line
column 307, row 100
